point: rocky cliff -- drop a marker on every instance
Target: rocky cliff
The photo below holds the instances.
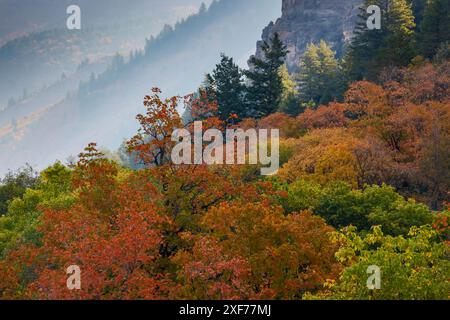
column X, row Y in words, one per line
column 306, row 21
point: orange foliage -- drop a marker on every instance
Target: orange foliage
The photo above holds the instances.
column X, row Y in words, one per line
column 219, row 232
column 154, row 139
column 330, row 116
column 399, row 130
column 286, row 255
column 287, row 125
column 95, row 178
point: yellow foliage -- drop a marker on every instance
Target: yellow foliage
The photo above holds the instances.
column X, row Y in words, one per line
column 322, row 156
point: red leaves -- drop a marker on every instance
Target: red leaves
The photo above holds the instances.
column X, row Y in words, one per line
column 112, row 254
column 286, row 255
column 116, row 250
column 95, row 177
column 219, row 232
column 153, row 142
column 331, row 116
column 209, row 273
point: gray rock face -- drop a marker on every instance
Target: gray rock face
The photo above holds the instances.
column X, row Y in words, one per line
column 306, row 21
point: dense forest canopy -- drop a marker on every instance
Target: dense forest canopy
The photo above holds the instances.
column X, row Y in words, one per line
column 364, row 181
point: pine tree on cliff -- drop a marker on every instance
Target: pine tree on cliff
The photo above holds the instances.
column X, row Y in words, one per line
column 229, row 88
column 435, row 27
column 265, row 90
column 392, row 45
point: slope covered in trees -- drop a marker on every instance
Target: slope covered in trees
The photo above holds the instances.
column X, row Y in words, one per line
column 177, row 60
column 364, row 182
column 36, row 47
column 223, row 232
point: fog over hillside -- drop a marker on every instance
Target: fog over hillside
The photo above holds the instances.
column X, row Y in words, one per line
column 25, row 16
column 42, row 128
column 34, row 60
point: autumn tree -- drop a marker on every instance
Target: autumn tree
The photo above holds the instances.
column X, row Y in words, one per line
column 153, row 142
column 288, row 126
column 435, row 156
column 117, row 249
column 269, row 255
column 95, row 179
column 208, row 271
column 323, row 156
column 330, row 116
column 406, row 263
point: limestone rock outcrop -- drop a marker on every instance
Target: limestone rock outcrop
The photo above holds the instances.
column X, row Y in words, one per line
column 306, row 21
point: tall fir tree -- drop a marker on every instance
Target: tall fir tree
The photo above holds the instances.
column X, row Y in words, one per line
column 208, row 88
column 435, row 27
column 392, row 45
column 229, row 88
column 319, row 77
column 265, row 88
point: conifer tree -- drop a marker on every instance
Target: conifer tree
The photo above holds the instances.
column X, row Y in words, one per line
column 435, row 27
column 319, row 75
column 392, row 45
column 208, row 87
column 265, row 89
column 228, row 87
column 290, row 102
column 418, row 8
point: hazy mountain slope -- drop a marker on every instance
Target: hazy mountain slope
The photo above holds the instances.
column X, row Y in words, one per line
column 29, row 62
column 19, row 17
column 105, row 112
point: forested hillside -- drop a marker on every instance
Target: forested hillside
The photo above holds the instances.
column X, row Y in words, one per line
column 46, row 50
column 177, row 60
column 27, row 16
column 363, row 183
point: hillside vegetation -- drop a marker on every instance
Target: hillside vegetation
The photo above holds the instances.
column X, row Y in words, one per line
column 364, row 182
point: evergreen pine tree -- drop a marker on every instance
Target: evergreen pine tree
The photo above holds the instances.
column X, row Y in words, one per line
column 435, row 27
column 206, row 94
column 265, row 89
column 226, row 79
column 392, row 45
column 319, row 75
column 209, row 87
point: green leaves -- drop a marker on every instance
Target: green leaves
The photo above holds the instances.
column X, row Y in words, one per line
column 412, row 267
column 265, row 92
column 228, row 87
column 373, row 50
column 320, row 78
column 375, row 205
